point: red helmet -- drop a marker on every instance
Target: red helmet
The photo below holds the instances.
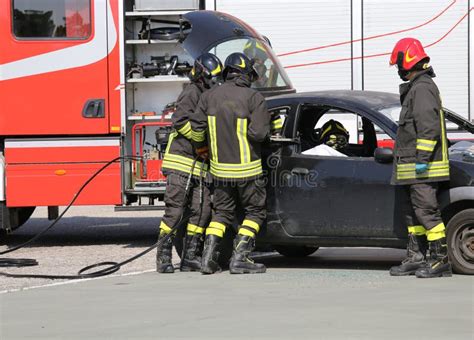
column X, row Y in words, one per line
column 407, row 53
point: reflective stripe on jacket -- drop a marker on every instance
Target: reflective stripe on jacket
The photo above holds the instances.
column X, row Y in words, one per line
column 421, row 136
column 179, row 154
column 237, row 121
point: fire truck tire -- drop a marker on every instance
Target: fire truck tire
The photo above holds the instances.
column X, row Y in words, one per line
column 225, row 247
column 295, row 251
column 13, row 218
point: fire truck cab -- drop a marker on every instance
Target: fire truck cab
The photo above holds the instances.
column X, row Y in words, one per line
column 83, row 82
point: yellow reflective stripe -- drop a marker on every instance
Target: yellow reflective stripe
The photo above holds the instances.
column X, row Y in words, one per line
column 165, row 228
column 438, row 228
column 170, row 140
column 426, row 141
column 246, row 232
column 326, row 131
column 251, row 224
column 216, row 228
column 186, row 130
column 183, row 164
column 230, row 166
column 243, row 142
column 431, row 166
column 243, row 174
column 184, row 160
column 436, row 233
column 425, row 148
column 195, row 229
column 217, row 70
column 217, row 232
column 277, row 123
column 213, row 136
column 417, row 230
column 217, row 225
column 414, row 175
column 198, row 136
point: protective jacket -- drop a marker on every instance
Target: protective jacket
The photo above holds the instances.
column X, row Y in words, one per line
column 180, row 154
column 237, row 122
column 421, row 136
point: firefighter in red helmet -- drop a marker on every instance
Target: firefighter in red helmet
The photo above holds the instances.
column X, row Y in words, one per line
column 421, row 162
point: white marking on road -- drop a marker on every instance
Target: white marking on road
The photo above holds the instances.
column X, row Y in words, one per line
column 75, row 281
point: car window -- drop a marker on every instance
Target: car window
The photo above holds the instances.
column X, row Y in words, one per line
column 282, row 112
column 271, row 74
column 334, row 132
column 51, row 19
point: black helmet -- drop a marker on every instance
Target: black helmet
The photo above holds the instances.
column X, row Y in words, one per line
column 240, row 63
column 334, row 134
column 208, row 68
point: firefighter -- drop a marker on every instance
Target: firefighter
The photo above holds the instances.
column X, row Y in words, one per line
column 421, row 162
column 178, row 164
column 238, row 122
column 333, row 140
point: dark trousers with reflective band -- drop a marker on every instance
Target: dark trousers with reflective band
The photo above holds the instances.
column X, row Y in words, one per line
column 421, row 210
column 251, row 195
column 174, row 196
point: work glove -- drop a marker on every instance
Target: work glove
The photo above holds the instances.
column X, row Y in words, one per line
column 421, row 168
column 203, row 152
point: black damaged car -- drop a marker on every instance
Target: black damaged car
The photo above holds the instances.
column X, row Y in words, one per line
column 347, row 200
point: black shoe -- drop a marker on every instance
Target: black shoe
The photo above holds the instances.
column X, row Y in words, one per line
column 438, row 264
column 210, row 255
column 416, row 256
column 163, row 255
column 240, row 263
column 191, row 260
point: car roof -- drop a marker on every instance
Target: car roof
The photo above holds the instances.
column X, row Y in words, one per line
column 370, row 99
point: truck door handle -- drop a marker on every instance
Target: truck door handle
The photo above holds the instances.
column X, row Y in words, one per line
column 94, row 108
column 299, row 171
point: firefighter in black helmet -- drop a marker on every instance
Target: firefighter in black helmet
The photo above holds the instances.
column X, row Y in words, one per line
column 237, row 120
column 421, row 162
column 177, row 165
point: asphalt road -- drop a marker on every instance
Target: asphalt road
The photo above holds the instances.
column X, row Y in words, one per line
column 334, row 294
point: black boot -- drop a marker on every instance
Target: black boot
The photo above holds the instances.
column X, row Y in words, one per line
column 210, row 255
column 438, row 263
column 163, row 255
column 191, row 261
column 240, row 263
column 416, row 256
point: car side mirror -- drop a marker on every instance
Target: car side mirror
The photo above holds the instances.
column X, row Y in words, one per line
column 383, row 155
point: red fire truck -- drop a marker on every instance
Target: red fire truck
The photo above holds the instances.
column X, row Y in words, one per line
column 85, row 81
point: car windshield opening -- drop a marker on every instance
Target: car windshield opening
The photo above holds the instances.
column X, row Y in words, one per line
column 272, row 75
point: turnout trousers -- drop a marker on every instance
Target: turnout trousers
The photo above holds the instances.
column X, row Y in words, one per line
column 421, row 209
column 251, row 195
column 175, row 207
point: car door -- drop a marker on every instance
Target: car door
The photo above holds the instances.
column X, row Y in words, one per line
column 329, row 196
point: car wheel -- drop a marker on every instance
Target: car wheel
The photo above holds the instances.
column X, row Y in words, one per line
column 460, row 239
column 295, row 251
column 225, row 246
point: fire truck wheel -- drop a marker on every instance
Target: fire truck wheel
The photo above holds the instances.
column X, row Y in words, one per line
column 295, row 251
column 225, row 247
column 13, row 218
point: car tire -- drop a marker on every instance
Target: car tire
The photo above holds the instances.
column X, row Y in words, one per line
column 295, row 251
column 225, row 246
column 460, row 239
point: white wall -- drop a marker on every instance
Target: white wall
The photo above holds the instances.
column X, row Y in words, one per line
column 316, row 24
